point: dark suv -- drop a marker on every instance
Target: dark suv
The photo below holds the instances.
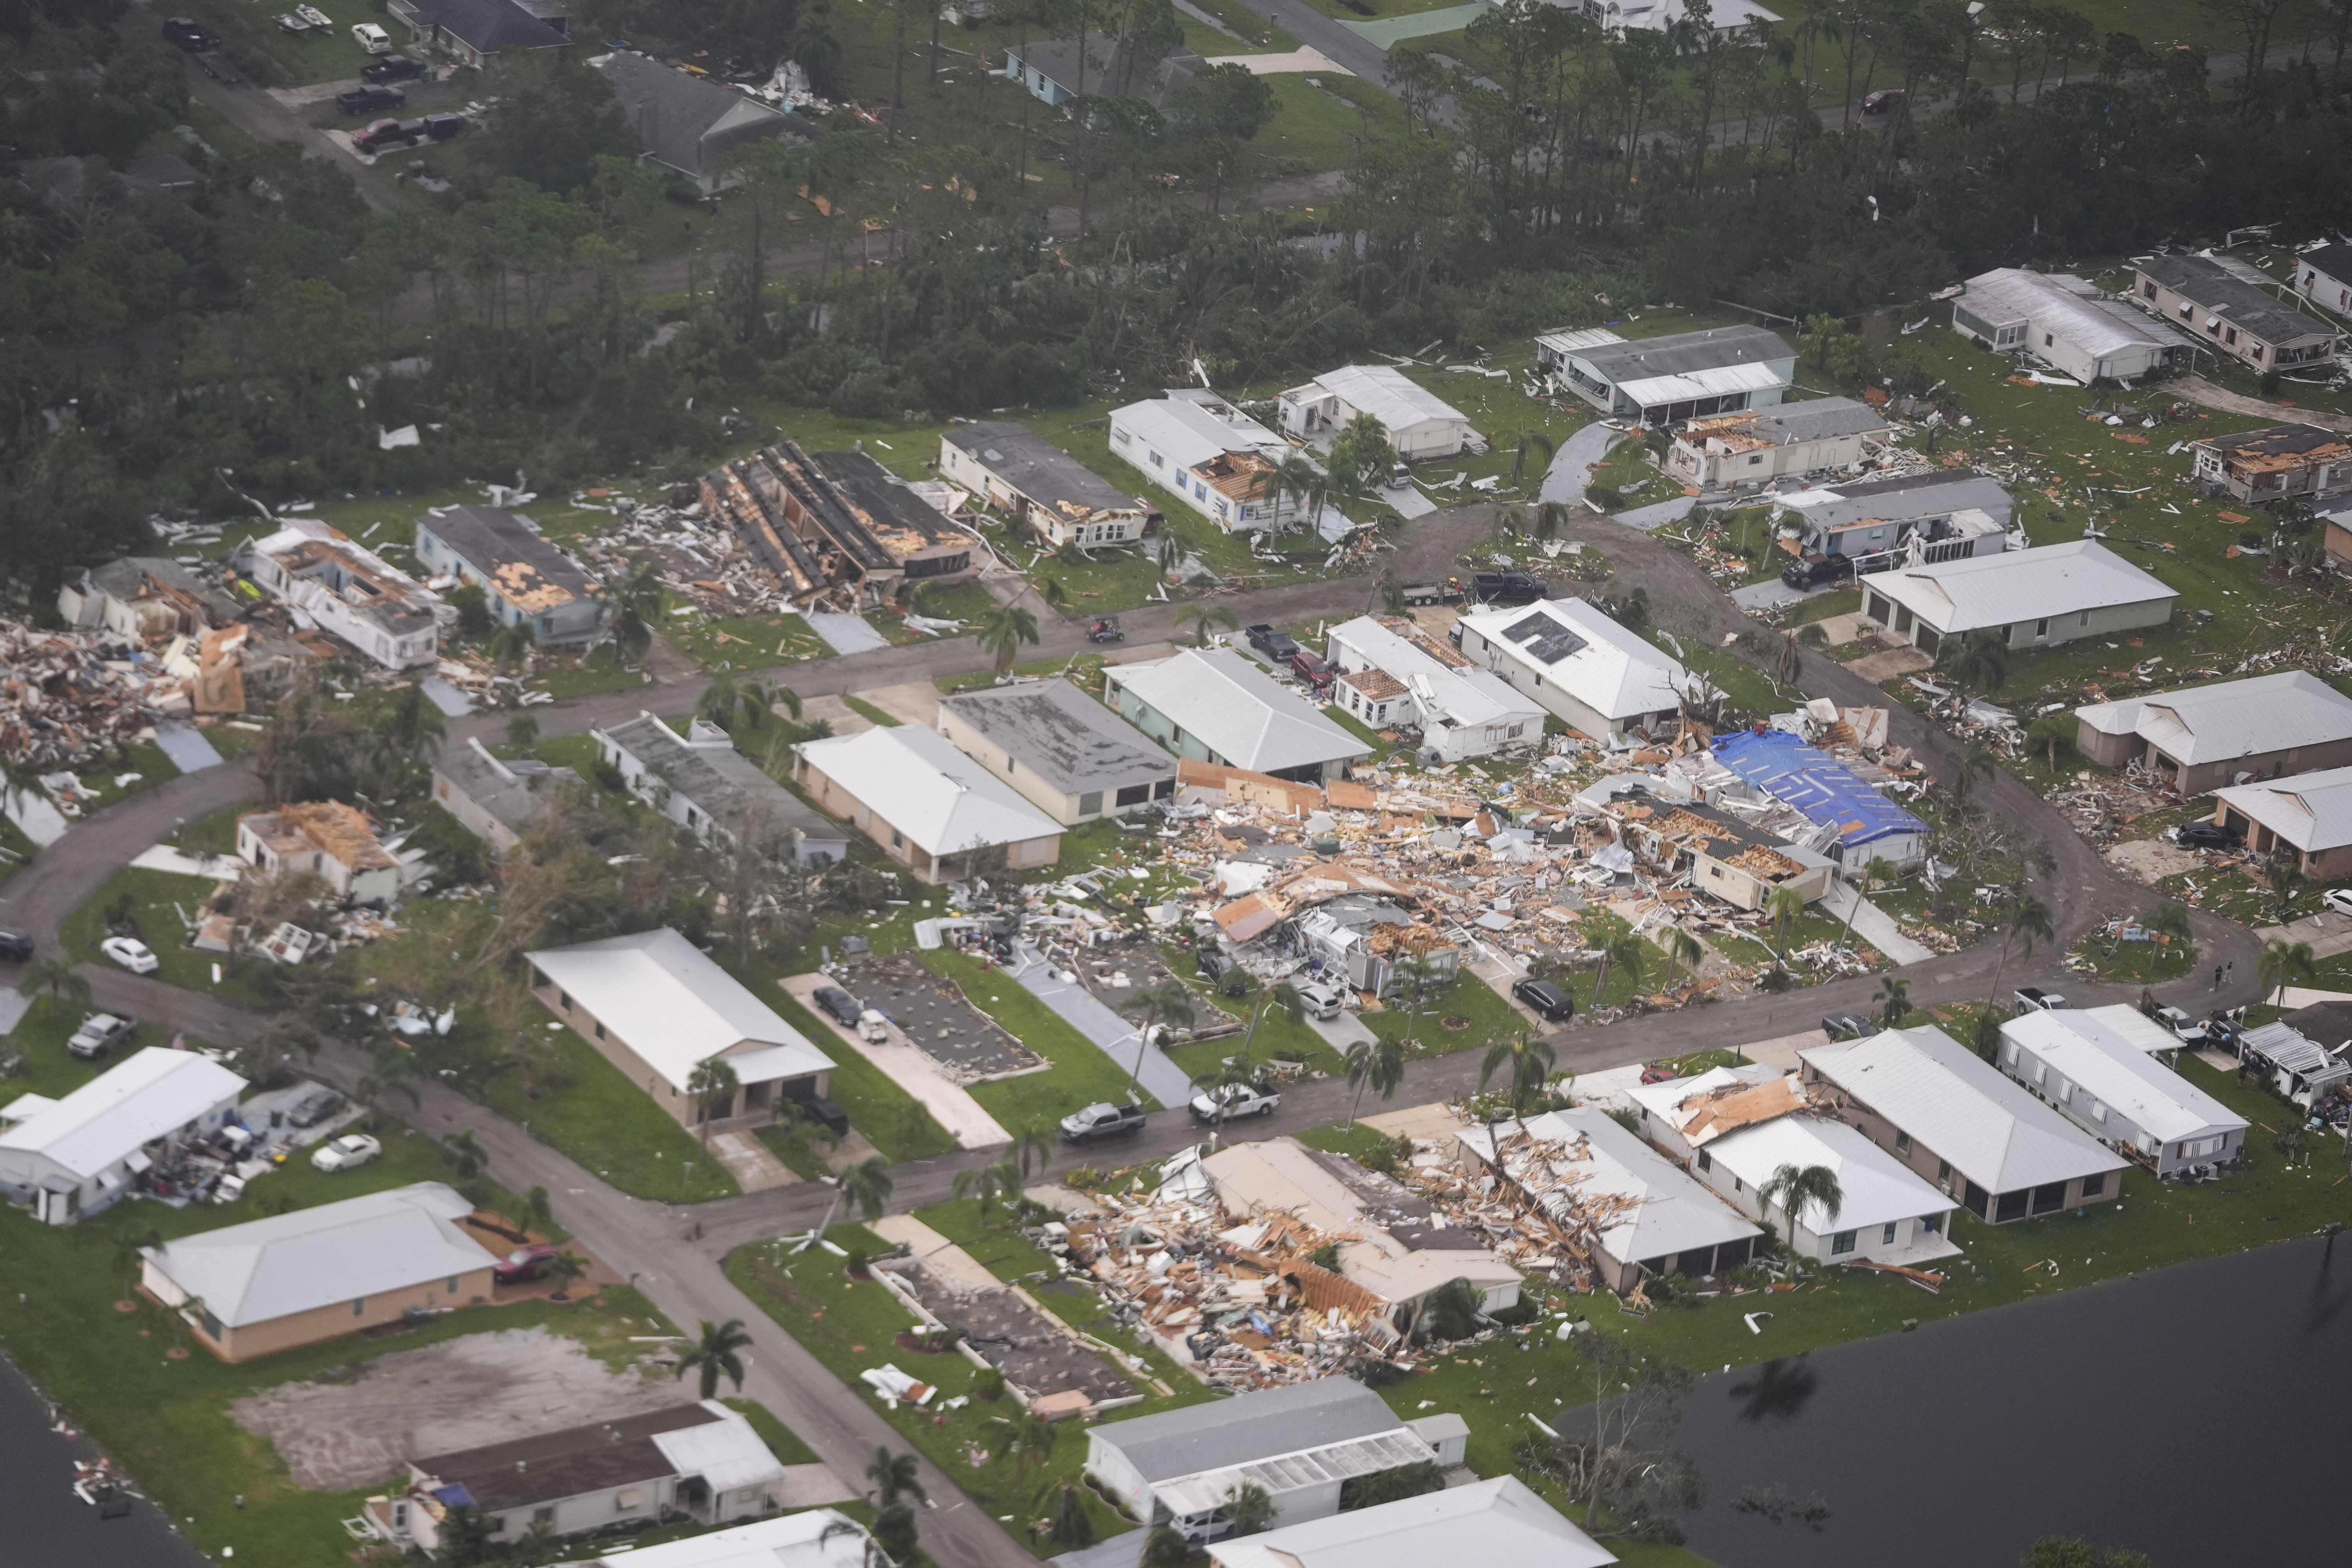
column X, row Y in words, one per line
column 1554, row 1004
column 1278, row 646
column 1510, row 587
column 1812, row 571
column 844, row 1007
column 2206, row 836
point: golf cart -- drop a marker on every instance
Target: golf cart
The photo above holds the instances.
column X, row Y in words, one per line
column 1106, row 629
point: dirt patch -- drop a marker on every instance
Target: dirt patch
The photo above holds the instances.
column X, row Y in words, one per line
column 2151, row 861
column 483, row 1388
column 1888, row 663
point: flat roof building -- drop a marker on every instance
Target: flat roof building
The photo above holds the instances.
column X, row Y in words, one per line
column 497, row 800
column 2200, row 738
column 2214, row 300
column 1666, row 380
column 1073, row 758
column 1760, row 445
column 656, row 1007
column 1866, row 518
column 814, row 1538
column 1212, row 705
column 68, row 1158
column 1603, row 679
column 1218, row 460
column 2040, row 597
column 1499, row 1523
column 525, row 580
column 925, row 804
column 2273, row 463
column 1391, row 672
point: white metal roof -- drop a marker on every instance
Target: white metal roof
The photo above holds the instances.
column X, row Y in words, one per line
column 1500, row 1523
column 297, row 1262
column 2019, row 586
column 1256, row 1424
column 675, row 1007
column 2065, row 306
column 2132, row 1027
column 1281, row 1473
column 1617, row 673
column 1715, row 381
column 1469, row 697
column 916, row 780
column 1582, row 338
column 1237, row 711
column 2311, row 811
column 1188, row 431
column 726, row 1452
column 1388, row 394
column 1963, row 1108
column 2230, row 718
column 2112, row 1071
column 818, row 1538
column 1669, row 1212
column 145, row 1097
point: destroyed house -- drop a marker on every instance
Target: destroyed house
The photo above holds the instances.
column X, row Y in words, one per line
column 1612, row 1202
column 834, row 521
column 143, row 599
column 1040, row 487
column 1073, row 758
column 1599, row 676
column 2308, row 817
column 1874, row 521
column 2273, row 463
column 2105, row 1082
column 2298, row 1067
column 1727, row 857
column 2064, row 322
column 525, row 580
column 1957, row 1121
column 701, row 1461
column 1868, row 826
column 1664, row 381
column 1210, row 454
column 2231, row 731
column 497, row 800
column 1392, row 673
column 2225, row 305
column 348, row 590
column 1349, row 922
column 1301, row 1442
column 331, row 841
column 700, row 781
column 1725, row 450
column 1734, row 1128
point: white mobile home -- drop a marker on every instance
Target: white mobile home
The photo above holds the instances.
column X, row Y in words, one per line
column 2101, row 1080
column 1419, row 424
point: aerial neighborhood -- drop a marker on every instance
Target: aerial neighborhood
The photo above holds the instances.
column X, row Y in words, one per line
column 1274, row 786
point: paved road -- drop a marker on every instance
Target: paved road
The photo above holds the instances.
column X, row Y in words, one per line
column 1572, row 460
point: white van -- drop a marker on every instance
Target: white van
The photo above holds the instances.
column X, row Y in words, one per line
column 372, row 39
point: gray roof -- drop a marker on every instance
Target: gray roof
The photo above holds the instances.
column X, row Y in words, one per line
column 2219, row 291
column 1498, row 1523
column 689, row 122
column 123, row 577
column 511, row 553
column 1681, row 353
column 1256, row 1426
column 2311, row 811
column 2330, row 260
column 313, row 1257
column 2066, row 305
column 515, row 793
column 1047, row 475
column 1064, row 736
column 2230, row 719
column 1112, row 68
column 1784, row 424
column 1962, row 1107
column 486, row 27
column 161, row 172
column 1233, row 707
column 1905, row 499
column 720, row 779
column 550, row 1467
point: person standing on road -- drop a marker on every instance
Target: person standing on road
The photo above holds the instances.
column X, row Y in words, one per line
column 2229, row 972
column 2216, row 977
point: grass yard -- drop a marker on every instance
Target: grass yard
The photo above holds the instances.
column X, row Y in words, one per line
column 49, row 1069
column 2133, row 962
column 610, row 1125
column 160, row 907
column 1082, row 1075
column 782, row 1440
column 892, row 1119
column 167, row 1421
column 738, row 642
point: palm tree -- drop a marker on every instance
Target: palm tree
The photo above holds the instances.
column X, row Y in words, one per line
column 1025, row 1438
column 1980, row 661
column 1250, row 1507
column 2282, row 963
column 1003, row 629
column 1166, row 1548
column 1379, row 1063
column 512, row 645
column 1624, row 950
column 1785, row 910
column 1390, row 589
column 566, row 1266
column 1170, row 1001
column 895, row 1476
column 867, row 1185
column 1530, row 1062
column 1894, row 994
column 1684, row 949
column 2284, row 882
column 1797, row 1190
column 1551, row 516
column 57, row 977
column 714, row 1354
column 1419, row 976
column 992, row 1184
column 2024, row 916
column 638, row 606
column 1977, row 761
column 1534, row 441
column 1205, row 618
column 1296, row 478
column 713, row 1084
column 522, row 731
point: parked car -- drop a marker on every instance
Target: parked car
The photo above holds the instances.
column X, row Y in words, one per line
column 2337, row 899
column 1099, row 1121
column 1312, row 668
column 1278, row 645
column 348, row 1153
column 2033, row 999
column 393, row 68
column 1552, row 1004
column 16, row 946
column 129, row 953
column 844, row 1008
column 1812, row 571
column 1400, row 478
column 441, row 127
column 370, row 98
column 2206, row 836
column 100, row 1033
column 184, row 33
column 1881, row 105
column 370, row 37
column 1322, row 1001
column 524, row 1263
column 317, row 1103
column 1847, row 1027
column 1213, row 963
column 2221, row 1031
column 1508, row 588
column 2184, row 1027
column 385, row 134
column 1239, row 1099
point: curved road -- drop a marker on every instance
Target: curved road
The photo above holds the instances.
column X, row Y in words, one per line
column 676, row 1255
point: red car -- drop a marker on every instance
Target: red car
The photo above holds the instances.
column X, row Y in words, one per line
column 524, row 1263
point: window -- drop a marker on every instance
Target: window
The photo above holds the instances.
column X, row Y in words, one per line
column 2230, row 336
column 359, row 1308
column 2041, row 628
column 2048, row 1199
column 1134, row 794
column 1756, row 459
column 452, row 1285
column 1943, row 1170
column 2008, row 1052
column 2147, row 290
column 1843, row 1242
column 898, row 840
column 599, row 1028
column 2086, row 618
column 1736, row 1186
column 1902, row 1142
column 1090, row 802
column 563, row 999
column 543, row 1516
column 2094, row 1185
column 2256, row 351
column 635, row 1497
column 2046, row 340
column 1886, row 1236
column 2098, row 1110
column 1706, row 1160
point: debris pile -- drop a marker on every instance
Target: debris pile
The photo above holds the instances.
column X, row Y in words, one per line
column 67, row 698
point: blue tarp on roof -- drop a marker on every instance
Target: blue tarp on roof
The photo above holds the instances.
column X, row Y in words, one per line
column 1812, row 782
column 455, row 1495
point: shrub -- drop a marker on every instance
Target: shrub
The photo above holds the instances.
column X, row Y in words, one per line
column 988, row 1383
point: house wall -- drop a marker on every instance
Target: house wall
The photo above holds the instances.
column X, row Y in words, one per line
column 2227, row 338
column 752, row 1102
column 1112, row 525
column 1916, row 629
column 641, row 1500
column 334, row 615
column 1108, row 1464
column 1694, row 464
column 471, row 816
column 2205, row 777
column 2111, row 1126
column 1948, row 1180
column 1743, row 891
column 470, row 1288
column 1868, row 1242
column 2339, row 545
column 2317, row 474
column 2330, row 293
column 2326, row 864
column 2107, row 750
column 574, row 621
column 1069, row 808
column 832, row 798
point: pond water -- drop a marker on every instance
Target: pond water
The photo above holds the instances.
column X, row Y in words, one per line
column 41, row 1521
column 2191, row 1413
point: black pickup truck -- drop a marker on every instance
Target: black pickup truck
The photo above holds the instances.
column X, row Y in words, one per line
column 1508, row 588
column 1096, row 1122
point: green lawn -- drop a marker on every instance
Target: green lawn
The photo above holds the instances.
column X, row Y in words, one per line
column 1082, row 1075
column 892, row 1119
column 611, row 1126
column 867, row 711
column 167, row 1420
column 780, row 1439
column 49, row 1069
column 162, row 905
column 739, row 642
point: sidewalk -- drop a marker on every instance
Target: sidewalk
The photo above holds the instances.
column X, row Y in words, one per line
column 949, row 1103
column 1873, row 925
column 1166, row 1082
